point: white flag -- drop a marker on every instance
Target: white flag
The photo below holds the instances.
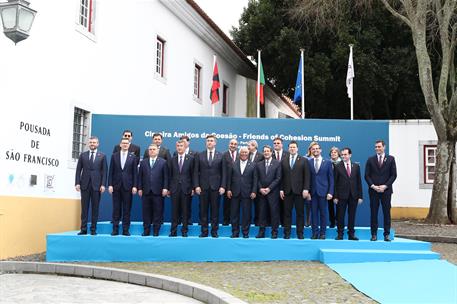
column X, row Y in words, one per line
column 350, row 76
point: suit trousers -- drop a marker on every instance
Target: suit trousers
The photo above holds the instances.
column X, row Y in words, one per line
column 269, row 202
column 209, row 201
column 227, row 209
column 89, row 197
column 122, row 204
column 152, row 211
column 332, row 215
column 383, row 199
column 290, row 201
column 246, row 206
column 319, row 208
column 179, row 206
column 351, row 205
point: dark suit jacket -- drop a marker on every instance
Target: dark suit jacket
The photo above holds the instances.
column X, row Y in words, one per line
column 322, row 182
column 132, row 148
column 258, row 156
column 242, row 184
column 227, row 161
column 347, row 186
column 271, row 180
column 386, row 175
column 183, row 178
column 283, row 155
column 190, row 153
column 153, row 180
column 127, row 178
column 163, row 153
column 91, row 174
column 209, row 177
column 297, row 179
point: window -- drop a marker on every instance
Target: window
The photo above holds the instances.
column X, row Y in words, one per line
column 429, row 163
column 225, row 92
column 86, row 15
column 80, row 131
column 160, row 56
column 197, row 76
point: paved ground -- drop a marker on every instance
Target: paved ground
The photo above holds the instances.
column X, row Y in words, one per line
column 416, row 227
column 37, row 288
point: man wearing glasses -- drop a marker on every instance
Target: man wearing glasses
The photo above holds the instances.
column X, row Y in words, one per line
column 132, row 148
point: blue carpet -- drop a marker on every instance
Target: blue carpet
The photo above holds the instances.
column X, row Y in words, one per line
column 419, row 281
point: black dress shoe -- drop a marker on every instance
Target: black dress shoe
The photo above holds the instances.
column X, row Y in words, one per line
column 155, row 233
column 214, row 235
column 225, row 223
column 374, row 238
column 286, row 236
column 332, row 226
column 126, row 233
column 82, row 232
column 93, row 233
column 274, row 235
column 234, row 236
column 245, row 236
column 353, row 238
column 314, row 237
column 203, row 235
column 300, row 236
column 386, row 238
column 322, row 237
column 173, row 234
column 146, row 233
column 184, row 234
column 260, row 235
column 339, row 237
column 115, row 232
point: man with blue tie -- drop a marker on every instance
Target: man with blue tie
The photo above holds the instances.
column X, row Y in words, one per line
column 322, row 184
column 268, row 179
column 122, row 180
column 348, row 192
column 210, row 185
column 90, row 179
column 181, row 168
column 152, row 188
column 241, row 189
column 380, row 174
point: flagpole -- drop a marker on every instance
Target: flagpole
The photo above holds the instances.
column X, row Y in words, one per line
column 212, row 104
column 352, row 84
column 302, row 54
column 258, row 83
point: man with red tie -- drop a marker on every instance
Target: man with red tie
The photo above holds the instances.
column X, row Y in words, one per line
column 348, row 192
column 229, row 157
column 380, row 174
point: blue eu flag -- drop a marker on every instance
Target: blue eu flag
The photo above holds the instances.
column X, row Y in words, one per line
column 298, row 85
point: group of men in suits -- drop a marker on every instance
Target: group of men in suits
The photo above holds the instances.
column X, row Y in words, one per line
column 274, row 181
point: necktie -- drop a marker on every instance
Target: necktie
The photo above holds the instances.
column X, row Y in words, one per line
column 292, row 161
column 267, row 165
column 278, row 157
column 180, row 164
column 316, row 165
column 348, row 169
column 210, row 159
column 380, row 161
column 233, row 156
column 151, row 162
column 92, row 158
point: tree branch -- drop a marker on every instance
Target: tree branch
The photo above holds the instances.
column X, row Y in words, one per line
column 396, row 13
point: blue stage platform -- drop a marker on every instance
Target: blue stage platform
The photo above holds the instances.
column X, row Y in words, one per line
column 69, row 246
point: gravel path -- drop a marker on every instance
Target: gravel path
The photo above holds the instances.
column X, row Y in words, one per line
column 415, row 227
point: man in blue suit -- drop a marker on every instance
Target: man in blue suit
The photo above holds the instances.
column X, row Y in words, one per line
column 322, row 187
column 152, row 187
column 380, row 174
column 241, row 189
column 210, row 184
column 269, row 179
column 90, row 179
column 181, row 167
column 122, row 180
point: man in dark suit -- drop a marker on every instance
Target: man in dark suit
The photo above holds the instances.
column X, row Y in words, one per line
column 348, row 192
column 241, row 189
column 210, row 184
column 294, row 189
column 269, row 179
column 380, row 174
column 256, row 156
column 181, row 168
column 229, row 157
column 322, row 188
column 152, row 188
column 90, row 179
column 122, row 180
column 157, row 140
column 132, row 148
column 279, row 154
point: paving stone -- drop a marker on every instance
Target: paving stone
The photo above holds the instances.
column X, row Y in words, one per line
column 82, row 271
column 138, row 279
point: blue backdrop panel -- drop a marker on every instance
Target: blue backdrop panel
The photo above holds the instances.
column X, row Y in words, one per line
column 420, row 281
column 358, row 135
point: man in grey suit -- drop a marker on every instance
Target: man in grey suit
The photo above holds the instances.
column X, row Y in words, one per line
column 90, row 180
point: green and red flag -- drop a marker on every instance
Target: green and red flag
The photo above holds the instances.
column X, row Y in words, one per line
column 260, row 82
